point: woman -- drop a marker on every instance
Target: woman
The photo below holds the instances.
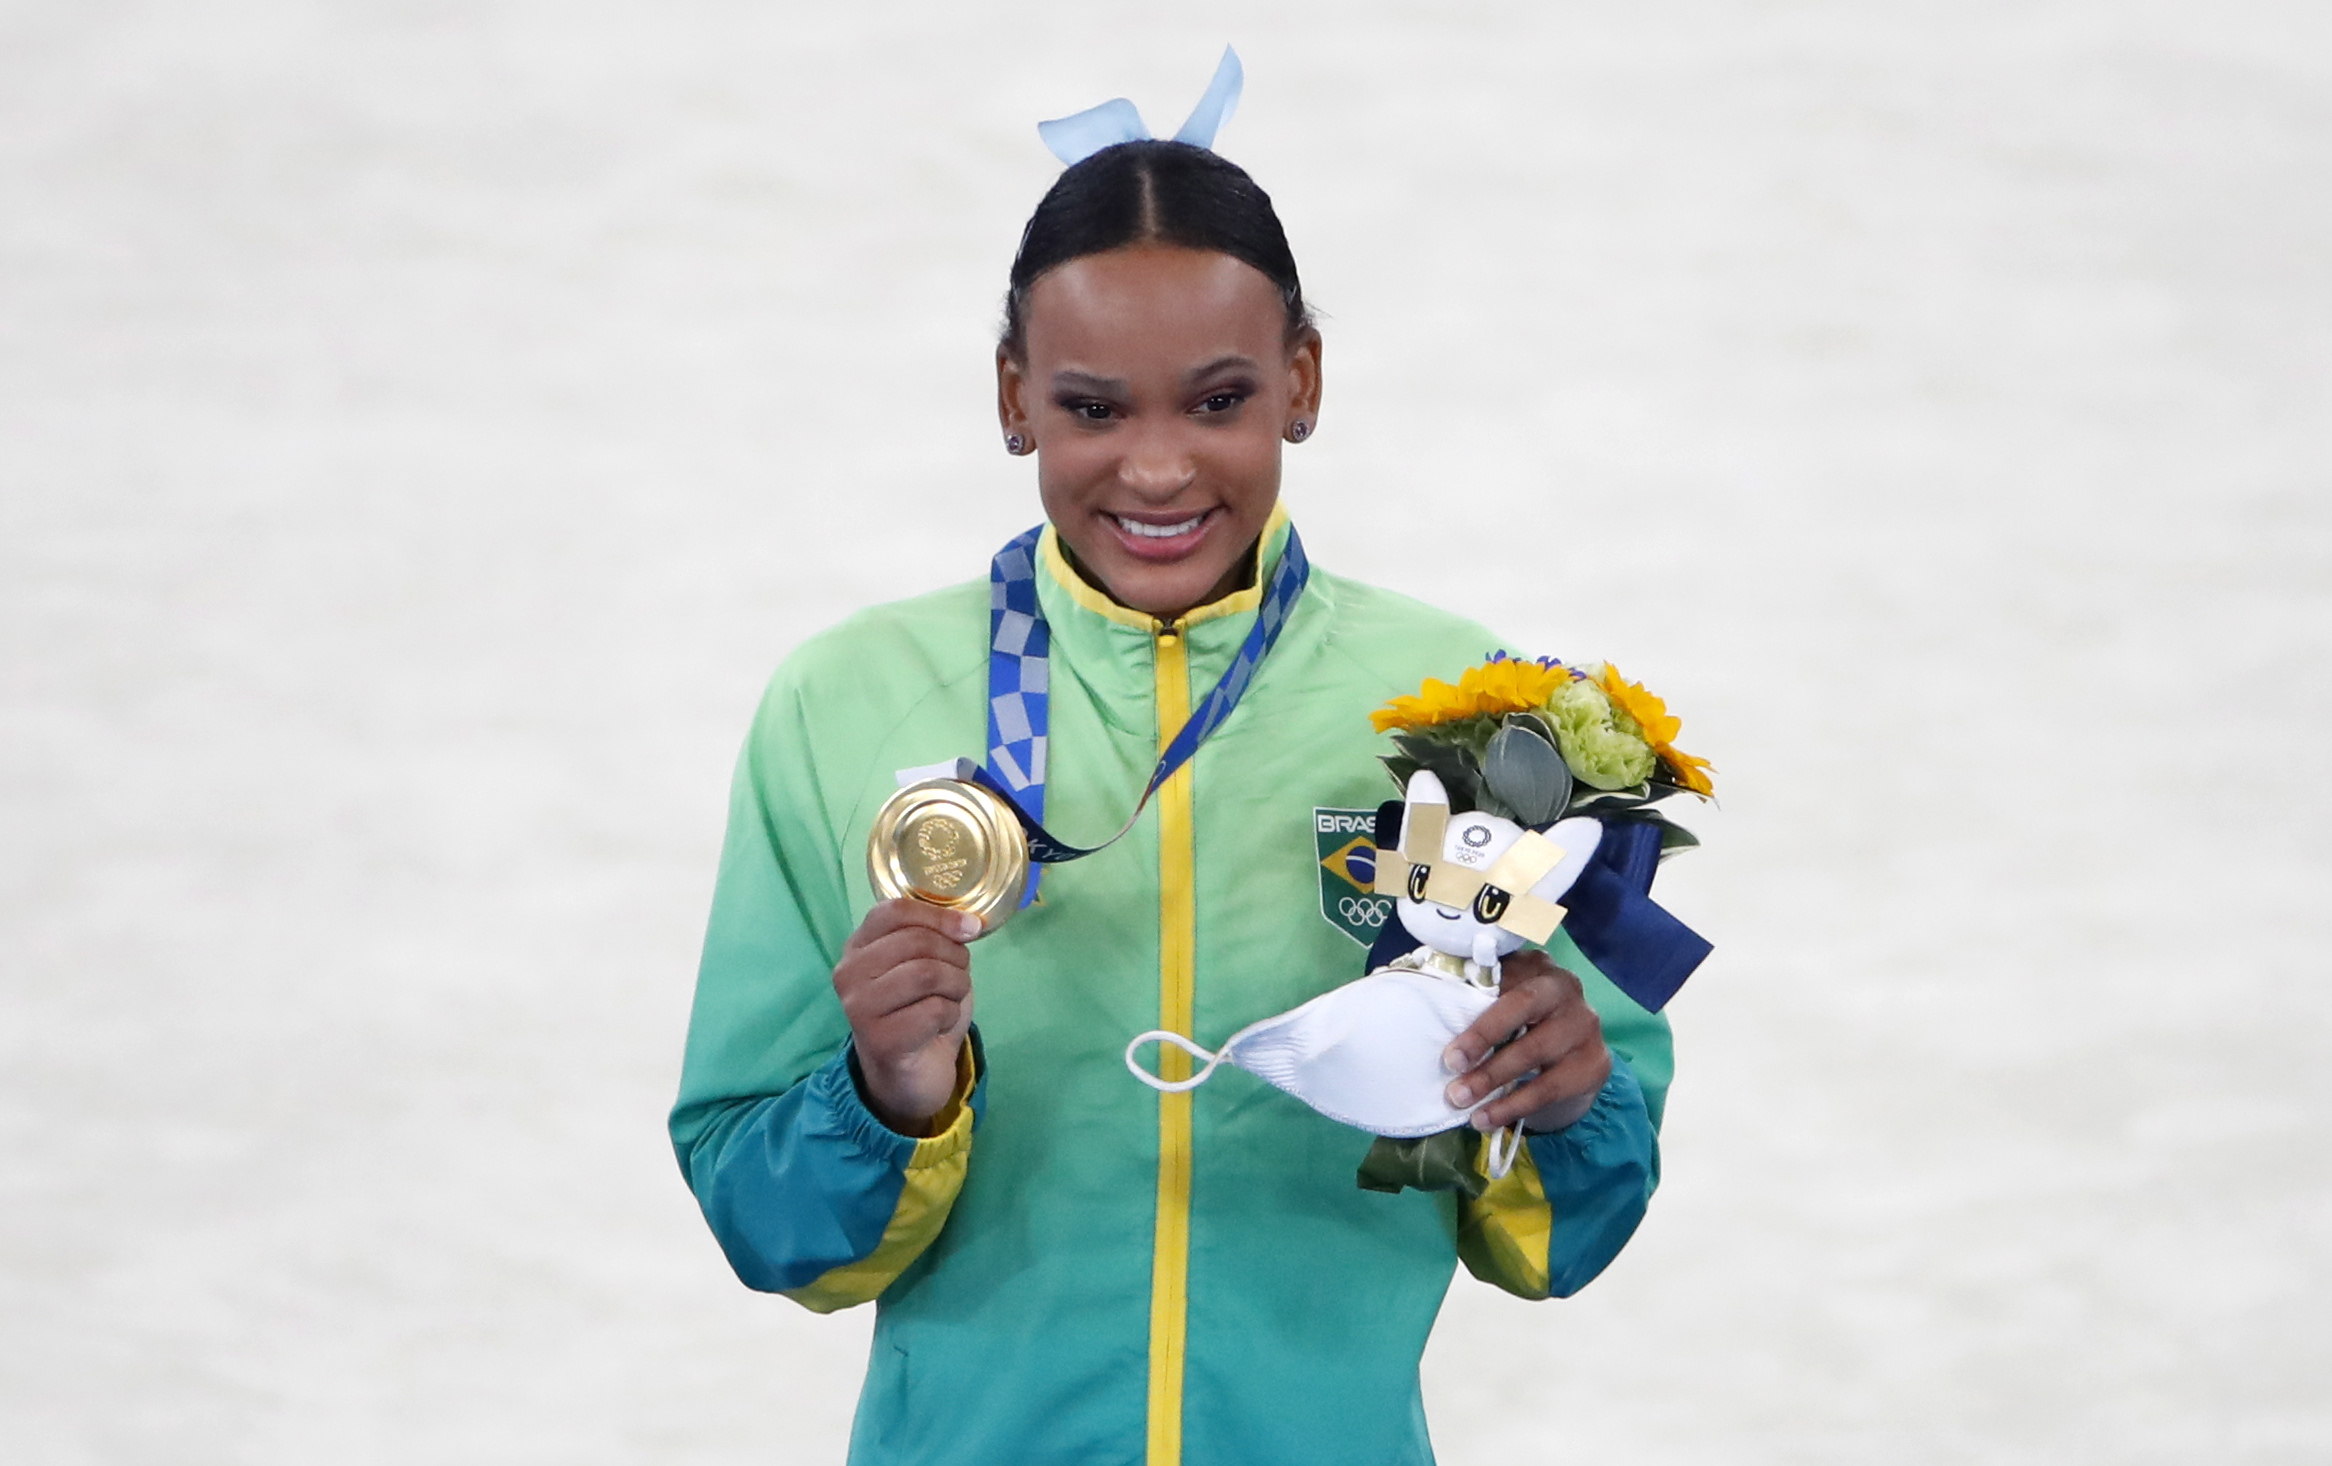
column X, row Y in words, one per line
column 1069, row 1266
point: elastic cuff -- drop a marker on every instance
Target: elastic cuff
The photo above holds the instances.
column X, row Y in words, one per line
column 843, row 1086
column 1618, row 1093
column 835, row 1089
column 952, row 1126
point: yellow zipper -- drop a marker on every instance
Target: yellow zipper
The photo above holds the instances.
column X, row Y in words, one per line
column 1177, row 945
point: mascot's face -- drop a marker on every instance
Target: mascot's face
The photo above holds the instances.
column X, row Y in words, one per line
column 1474, row 885
column 1473, row 841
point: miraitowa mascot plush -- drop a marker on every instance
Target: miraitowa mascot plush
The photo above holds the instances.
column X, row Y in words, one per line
column 1471, row 882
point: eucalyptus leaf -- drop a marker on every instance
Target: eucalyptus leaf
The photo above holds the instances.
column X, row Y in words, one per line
column 1456, row 772
column 1609, row 801
column 1523, row 770
column 1673, row 836
column 1535, row 723
column 1676, row 837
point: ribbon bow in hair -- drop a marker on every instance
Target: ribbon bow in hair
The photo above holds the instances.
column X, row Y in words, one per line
column 1075, row 138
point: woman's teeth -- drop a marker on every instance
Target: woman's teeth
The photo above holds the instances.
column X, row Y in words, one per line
column 1140, row 530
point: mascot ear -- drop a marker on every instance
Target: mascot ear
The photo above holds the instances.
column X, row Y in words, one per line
column 1388, row 827
column 1578, row 836
column 1409, row 833
column 1424, row 818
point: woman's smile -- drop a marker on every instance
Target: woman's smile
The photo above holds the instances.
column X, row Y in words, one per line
column 1162, row 538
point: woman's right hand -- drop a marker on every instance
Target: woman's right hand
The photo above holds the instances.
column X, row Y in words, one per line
column 905, row 981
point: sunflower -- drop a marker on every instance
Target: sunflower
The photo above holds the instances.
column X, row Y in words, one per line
column 1500, row 685
column 1660, row 726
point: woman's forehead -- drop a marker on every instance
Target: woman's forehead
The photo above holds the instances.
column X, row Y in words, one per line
column 1153, row 309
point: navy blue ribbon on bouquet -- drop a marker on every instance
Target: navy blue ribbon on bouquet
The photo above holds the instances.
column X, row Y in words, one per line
column 1631, row 938
column 1020, row 684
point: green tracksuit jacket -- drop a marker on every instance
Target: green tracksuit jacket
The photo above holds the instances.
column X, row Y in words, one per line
column 1078, row 1268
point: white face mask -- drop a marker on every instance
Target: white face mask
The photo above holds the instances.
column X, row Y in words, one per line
column 1367, row 1054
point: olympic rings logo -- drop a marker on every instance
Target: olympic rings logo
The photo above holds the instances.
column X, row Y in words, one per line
column 1362, row 912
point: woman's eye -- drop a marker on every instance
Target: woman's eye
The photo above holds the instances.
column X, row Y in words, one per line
column 1221, row 401
column 1087, row 408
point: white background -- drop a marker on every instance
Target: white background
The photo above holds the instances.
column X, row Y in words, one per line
column 423, row 425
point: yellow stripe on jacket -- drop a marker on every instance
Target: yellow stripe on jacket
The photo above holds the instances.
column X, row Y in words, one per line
column 1177, row 944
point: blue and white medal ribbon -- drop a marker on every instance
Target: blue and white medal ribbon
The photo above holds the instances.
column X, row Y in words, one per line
column 1020, row 683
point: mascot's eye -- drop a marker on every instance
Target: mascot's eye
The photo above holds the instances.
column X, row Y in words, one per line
column 1417, row 874
column 1490, row 903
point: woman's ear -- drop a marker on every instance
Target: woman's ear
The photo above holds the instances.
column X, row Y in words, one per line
column 1303, row 405
column 1012, row 404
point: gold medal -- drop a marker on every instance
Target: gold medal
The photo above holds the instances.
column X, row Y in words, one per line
column 949, row 843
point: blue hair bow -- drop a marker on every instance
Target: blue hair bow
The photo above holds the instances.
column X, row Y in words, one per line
column 1075, row 138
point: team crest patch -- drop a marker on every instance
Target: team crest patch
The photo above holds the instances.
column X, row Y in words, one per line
column 1346, row 842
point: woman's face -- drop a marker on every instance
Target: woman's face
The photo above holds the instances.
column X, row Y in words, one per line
column 1157, row 388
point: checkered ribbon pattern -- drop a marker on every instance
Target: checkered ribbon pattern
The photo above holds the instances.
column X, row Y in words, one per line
column 1020, row 679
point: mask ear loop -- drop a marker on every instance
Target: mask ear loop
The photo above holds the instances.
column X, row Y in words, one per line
column 1502, row 1159
column 1173, row 1086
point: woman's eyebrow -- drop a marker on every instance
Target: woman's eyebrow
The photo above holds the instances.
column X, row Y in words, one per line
column 1220, row 363
column 1089, row 383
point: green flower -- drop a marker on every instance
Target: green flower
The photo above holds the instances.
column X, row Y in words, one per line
column 1603, row 746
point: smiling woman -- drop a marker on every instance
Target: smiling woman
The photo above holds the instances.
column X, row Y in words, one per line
column 1071, row 1267
column 1156, row 351
column 1155, row 388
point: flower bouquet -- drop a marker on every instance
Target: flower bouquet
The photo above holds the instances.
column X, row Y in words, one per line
column 1513, row 751
column 1540, row 741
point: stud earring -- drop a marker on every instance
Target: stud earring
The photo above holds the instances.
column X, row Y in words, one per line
column 1298, row 430
column 1015, row 444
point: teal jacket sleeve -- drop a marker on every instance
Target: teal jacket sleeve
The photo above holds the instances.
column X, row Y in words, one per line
column 811, row 1196
column 1597, row 1175
column 806, row 1191
column 1575, row 1196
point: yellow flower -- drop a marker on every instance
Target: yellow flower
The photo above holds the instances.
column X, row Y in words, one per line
column 1652, row 715
column 1494, row 688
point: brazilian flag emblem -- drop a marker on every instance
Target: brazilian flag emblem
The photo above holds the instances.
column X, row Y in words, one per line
column 1347, row 846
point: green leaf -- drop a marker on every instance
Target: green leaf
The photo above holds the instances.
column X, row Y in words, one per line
column 1608, row 801
column 1443, row 1162
column 1521, row 768
column 1456, row 772
column 1536, row 723
column 1674, row 836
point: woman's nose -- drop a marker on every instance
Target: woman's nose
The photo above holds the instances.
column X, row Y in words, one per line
column 1156, row 465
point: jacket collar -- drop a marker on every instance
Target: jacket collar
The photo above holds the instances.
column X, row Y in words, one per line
column 1112, row 650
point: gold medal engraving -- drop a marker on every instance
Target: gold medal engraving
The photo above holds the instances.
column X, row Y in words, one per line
column 935, row 858
column 952, row 844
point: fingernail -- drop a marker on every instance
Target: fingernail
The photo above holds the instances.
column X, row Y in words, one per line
column 1481, row 1120
column 967, row 926
column 1459, row 1095
column 1453, row 1060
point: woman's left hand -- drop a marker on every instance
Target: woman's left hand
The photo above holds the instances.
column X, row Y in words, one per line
column 1554, row 1032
